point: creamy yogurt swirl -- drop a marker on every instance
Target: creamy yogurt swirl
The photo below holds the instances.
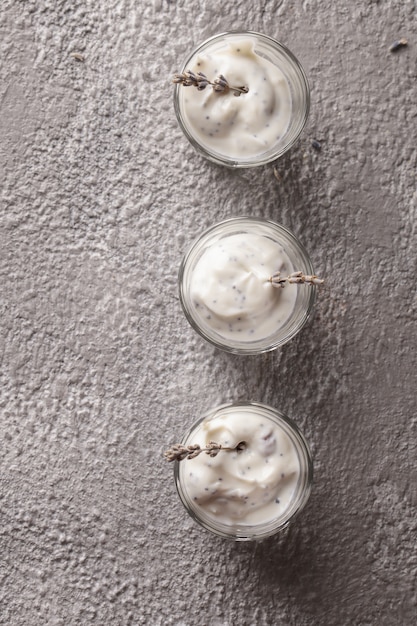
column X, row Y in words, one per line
column 251, row 487
column 243, row 126
column 230, row 290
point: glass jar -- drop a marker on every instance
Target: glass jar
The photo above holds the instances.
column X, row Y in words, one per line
column 256, row 127
column 251, row 492
column 226, row 292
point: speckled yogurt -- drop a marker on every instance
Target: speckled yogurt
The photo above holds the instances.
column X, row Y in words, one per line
column 242, row 126
column 230, row 289
column 253, row 486
column 253, row 491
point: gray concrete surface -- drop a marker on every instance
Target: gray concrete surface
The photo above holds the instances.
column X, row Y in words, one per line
column 100, row 197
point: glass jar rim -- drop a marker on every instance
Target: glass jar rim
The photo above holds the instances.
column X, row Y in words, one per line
column 268, row 156
column 259, row 346
column 263, row 530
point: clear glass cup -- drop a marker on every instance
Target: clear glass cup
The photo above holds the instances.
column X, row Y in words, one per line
column 280, row 495
column 271, row 331
column 294, row 88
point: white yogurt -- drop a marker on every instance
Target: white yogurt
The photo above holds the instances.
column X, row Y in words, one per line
column 226, row 292
column 251, row 487
column 236, row 127
column 230, row 289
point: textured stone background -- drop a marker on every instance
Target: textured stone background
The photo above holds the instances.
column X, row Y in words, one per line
column 99, row 370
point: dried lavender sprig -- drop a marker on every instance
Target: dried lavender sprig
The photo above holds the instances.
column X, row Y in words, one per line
column 179, row 452
column 295, row 277
column 200, row 80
